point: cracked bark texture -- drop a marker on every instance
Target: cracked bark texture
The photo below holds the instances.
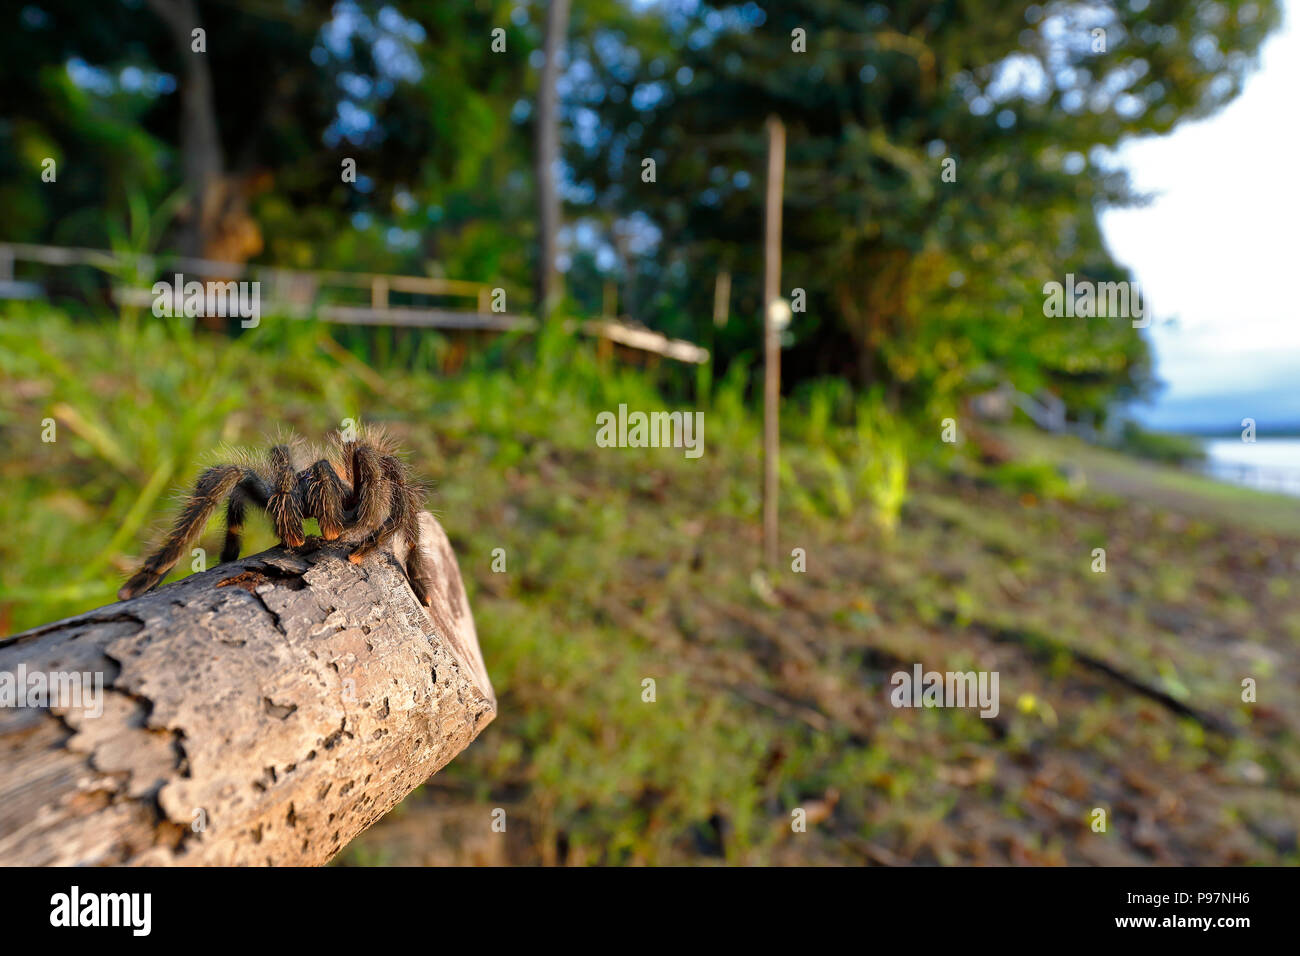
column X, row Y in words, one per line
column 262, row 712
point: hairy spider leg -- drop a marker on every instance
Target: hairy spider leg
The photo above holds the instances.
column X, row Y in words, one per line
column 324, row 496
column 250, row 488
column 209, row 491
column 419, row 569
column 340, row 452
column 398, row 507
column 284, row 505
column 373, row 483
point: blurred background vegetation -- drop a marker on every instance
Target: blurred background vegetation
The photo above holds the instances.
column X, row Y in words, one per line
column 442, row 128
column 1119, row 691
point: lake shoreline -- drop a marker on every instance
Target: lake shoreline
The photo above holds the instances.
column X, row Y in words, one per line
column 1267, row 464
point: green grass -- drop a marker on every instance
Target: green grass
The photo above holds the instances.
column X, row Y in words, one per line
column 631, row 564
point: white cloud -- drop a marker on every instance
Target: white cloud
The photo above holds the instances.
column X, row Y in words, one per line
column 1218, row 248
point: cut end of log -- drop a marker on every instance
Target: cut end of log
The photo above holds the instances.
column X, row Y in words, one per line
column 262, row 712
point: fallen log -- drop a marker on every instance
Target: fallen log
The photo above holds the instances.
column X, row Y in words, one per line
column 262, row 712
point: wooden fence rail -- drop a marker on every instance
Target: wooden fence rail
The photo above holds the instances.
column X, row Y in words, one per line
column 296, row 293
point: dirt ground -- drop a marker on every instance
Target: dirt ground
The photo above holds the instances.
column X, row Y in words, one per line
column 1121, row 693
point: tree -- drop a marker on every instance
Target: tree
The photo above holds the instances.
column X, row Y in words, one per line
column 417, row 100
column 911, row 280
column 548, row 156
column 200, row 143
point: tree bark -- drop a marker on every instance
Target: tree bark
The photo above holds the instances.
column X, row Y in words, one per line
column 548, row 157
column 262, row 712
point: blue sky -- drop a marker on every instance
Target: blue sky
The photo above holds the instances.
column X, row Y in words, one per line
column 1218, row 251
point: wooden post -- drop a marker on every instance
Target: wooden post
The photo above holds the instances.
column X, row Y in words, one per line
column 721, row 298
column 609, row 300
column 262, row 712
column 771, row 334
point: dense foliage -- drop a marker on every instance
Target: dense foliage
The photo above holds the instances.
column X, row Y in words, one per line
column 914, row 280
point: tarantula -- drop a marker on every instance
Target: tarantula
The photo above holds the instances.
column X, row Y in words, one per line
column 358, row 489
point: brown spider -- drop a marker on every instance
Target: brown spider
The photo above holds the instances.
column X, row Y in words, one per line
column 359, row 489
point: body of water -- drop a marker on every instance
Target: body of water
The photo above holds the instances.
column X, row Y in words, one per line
column 1269, row 464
